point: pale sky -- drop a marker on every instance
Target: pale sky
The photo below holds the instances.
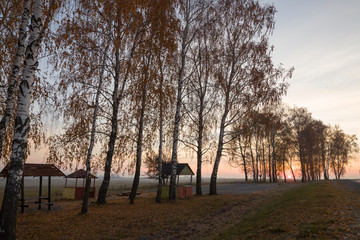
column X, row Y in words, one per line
column 321, row 39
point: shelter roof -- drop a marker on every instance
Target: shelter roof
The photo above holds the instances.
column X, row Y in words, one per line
column 36, row 170
column 81, row 173
column 182, row 169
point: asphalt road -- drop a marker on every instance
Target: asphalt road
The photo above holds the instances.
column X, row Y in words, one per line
column 240, row 188
column 353, row 184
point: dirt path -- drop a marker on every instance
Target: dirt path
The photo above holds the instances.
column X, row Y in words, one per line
column 226, row 216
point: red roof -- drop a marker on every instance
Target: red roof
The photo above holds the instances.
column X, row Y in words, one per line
column 36, row 170
column 81, row 173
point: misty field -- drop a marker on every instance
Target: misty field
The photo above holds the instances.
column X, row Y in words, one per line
column 318, row 210
column 117, row 185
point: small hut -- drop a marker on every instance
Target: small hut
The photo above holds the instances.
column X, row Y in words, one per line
column 36, row 170
column 77, row 192
column 183, row 169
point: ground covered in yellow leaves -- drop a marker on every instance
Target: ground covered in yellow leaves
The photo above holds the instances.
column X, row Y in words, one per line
column 320, row 210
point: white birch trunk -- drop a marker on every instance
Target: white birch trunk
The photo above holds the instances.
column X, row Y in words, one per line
column 140, row 133
column 13, row 79
column 159, row 189
column 213, row 179
column 22, row 126
column 243, row 152
column 172, row 187
column 199, row 147
column 114, row 128
column 274, row 176
column 117, row 95
column 161, row 123
column 252, row 162
column 84, row 208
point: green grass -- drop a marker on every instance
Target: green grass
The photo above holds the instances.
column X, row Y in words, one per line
column 313, row 211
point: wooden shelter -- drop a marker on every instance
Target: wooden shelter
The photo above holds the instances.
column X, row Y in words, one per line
column 182, row 169
column 77, row 192
column 36, row 170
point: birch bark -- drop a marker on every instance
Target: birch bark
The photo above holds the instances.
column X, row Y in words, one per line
column 140, row 135
column 180, row 81
column 161, row 124
column 114, row 128
column 243, row 156
column 213, row 179
column 13, row 79
column 139, row 148
column 199, row 150
column 22, row 126
column 159, row 190
column 84, row 208
column 117, row 95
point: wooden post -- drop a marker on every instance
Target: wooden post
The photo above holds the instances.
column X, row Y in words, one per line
column 65, row 182
column 40, row 193
column 178, row 179
column 49, row 193
column 22, row 195
column 190, row 179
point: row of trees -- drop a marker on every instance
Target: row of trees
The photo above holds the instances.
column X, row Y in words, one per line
column 159, row 72
column 277, row 141
column 135, row 78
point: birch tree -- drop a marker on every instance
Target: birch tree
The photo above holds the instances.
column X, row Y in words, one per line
column 143, row 82
column 158, row 38
column 239, row 147
column 14, row 20
column 92, row 137
column 201, row 91
column 188, row 11
column 245, row 73
column 10, row 17
column 342, row 148
column 165, row 99
column 129, row 23
column 90, row 28
column 22, row 125
column 300, row 118
column 81, row 45
column 17, row 66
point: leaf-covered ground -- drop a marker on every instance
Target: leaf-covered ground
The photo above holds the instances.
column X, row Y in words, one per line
column 321, row 210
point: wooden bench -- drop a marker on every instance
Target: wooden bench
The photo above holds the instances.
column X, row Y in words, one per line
column 28, row 204
column 32, row 201
column 128, row 193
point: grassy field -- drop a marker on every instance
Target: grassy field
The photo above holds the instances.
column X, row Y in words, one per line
column 319, row 210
